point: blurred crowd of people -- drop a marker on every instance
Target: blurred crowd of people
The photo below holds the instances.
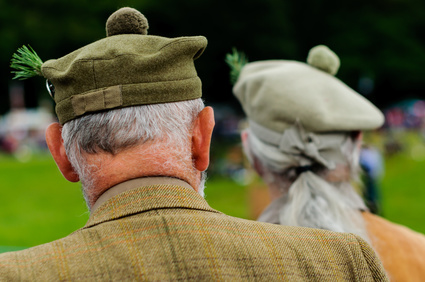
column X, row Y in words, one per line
column 22, row 132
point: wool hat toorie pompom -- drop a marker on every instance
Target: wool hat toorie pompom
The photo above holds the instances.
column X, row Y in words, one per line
column 126, row 21
column 127, row 68
column 323, row 58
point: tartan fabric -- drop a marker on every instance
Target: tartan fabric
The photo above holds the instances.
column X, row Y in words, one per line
column 169, row 232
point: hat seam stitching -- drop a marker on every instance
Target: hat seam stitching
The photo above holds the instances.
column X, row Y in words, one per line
column 94, row 74
column 179, row 40
column 95, row 59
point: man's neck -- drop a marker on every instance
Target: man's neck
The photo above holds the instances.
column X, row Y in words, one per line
column 108, row 170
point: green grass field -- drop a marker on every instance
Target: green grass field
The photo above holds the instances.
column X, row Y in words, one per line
column 39, row 206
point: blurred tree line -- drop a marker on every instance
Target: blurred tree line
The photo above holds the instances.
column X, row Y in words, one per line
column 381, row 44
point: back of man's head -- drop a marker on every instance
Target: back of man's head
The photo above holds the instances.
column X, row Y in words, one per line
column 129, row 105
column 163, row 129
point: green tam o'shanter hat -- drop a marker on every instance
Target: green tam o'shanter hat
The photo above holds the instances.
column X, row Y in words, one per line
column 127, row 68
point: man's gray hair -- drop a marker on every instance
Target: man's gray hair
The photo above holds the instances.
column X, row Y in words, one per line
column 309, row 200
column 116, row 130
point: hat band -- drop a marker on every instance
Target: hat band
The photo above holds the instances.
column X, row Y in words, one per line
column 265, row 134
column 325, row 148
column 106, row 98
column 127, row 95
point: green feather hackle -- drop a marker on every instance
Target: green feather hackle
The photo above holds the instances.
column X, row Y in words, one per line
column 236, row 61
column 26, row 63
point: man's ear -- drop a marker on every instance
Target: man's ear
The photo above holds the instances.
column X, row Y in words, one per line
column 201, row 138
column 55, row 143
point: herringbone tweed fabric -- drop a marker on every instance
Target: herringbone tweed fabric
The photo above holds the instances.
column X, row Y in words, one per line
column 169, row 233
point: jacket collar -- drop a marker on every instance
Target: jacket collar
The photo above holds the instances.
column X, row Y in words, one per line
column 144, row 194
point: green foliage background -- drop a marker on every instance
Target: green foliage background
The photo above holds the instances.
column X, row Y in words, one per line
column 380, row 40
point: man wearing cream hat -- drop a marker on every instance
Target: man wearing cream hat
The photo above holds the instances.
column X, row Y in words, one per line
column 304, row 139
column 133, row 129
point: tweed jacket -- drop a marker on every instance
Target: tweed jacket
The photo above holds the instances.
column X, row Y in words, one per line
column 164, row 232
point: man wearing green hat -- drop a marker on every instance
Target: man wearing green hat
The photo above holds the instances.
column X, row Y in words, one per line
column 303, row 139
column 133, row 129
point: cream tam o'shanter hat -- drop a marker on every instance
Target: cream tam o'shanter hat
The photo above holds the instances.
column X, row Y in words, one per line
column 277, row 94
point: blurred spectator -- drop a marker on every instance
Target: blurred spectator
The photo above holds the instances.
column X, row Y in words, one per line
column 304, row 136
column 22, row 131
column 405, row 114
column 373, row 168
